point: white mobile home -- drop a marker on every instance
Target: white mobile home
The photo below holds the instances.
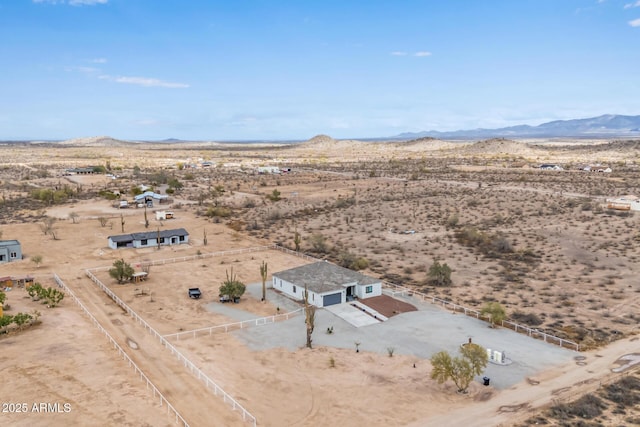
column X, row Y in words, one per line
column 147, row 239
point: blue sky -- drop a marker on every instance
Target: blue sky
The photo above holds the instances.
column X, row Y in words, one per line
column 276, row 69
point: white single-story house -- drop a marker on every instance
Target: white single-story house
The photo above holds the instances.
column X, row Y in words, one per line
column 147, row 239
column 551, row 167
column 624, row 203
column 327, row 284
column 268, row 169
column 10, row 250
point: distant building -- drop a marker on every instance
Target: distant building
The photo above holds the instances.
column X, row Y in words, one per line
column 10, row 250
column 551, row 167
column 83, row 171
column 327, row 284
column 148, row 197
column 147, row 239
column 268, row 169
column 624, row 203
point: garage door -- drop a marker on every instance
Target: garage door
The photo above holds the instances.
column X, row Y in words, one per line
column 331, row 299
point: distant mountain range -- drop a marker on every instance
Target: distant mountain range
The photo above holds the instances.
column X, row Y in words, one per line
column 608, row 125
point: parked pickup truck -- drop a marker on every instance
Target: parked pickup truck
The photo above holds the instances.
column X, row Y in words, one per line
column 194, row 293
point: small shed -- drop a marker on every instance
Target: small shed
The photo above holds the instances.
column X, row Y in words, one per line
column 10, row 250
column 163, row 215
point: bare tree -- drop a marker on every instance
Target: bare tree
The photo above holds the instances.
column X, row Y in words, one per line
column 204, row 239
column 103, row 221
column 122, row 222
column 74, row 217
column 146, row 220
column 310, row 316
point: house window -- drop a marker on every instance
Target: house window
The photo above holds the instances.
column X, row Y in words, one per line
column 294, row 289
column 369, row 289
column 161, row 240
column 280, row 282
column 2, row 257
column 13, row 255
column 182, row 238
column 143, row 242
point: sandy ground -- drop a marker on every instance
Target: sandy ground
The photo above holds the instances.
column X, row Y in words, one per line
column 58, row 358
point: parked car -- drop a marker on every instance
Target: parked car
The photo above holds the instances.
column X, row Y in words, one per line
column 195, row 293
column 227, row 298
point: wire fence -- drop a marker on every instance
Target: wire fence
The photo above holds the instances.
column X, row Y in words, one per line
column 197, row 372
column 261, row 321
column 156, row 393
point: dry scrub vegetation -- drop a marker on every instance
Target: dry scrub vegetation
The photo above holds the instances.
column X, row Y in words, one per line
column 541, row 243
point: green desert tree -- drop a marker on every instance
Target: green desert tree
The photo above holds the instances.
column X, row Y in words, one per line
column 263, row 275
column 35, row 291
column 495, row 311
column 232, row 286
column 53, row 297
column 4, row 322
column 21, row 319
column 37, row 260
column 121, row 271
column 3, row 298
column 439, row 274
column 462, row 369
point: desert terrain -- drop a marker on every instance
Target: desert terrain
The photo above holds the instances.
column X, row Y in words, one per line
column 541, row 243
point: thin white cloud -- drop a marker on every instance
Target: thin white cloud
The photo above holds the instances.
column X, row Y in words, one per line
column 631, row 5
column 398, row 53
column 144, row 81
column 635, row 23
column 73, row 2
column 422, row 53
column 99, row 60
column 86, row 69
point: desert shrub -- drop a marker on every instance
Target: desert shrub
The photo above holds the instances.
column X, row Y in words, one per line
column 218, row 211
column 625, row 392
column 344, row 203
column 349, row 260
column 530, row 319
column 439, row 274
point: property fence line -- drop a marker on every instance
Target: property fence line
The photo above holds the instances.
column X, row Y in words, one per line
column 399, row 290
column 534, row 333
column 121, row 352
column 261, row 321
column 197, row 256
column 193, row 369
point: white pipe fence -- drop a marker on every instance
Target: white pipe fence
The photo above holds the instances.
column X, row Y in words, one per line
column 121, row 352
column 534, row 333
column 261, row 321
column 211, row 385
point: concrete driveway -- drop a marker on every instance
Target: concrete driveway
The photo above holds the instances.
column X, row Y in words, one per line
column 419, row 333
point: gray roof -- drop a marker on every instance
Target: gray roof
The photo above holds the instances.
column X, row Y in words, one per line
column 150, row 194
column 146, row 235
column 9, row 242
column 323, row 277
